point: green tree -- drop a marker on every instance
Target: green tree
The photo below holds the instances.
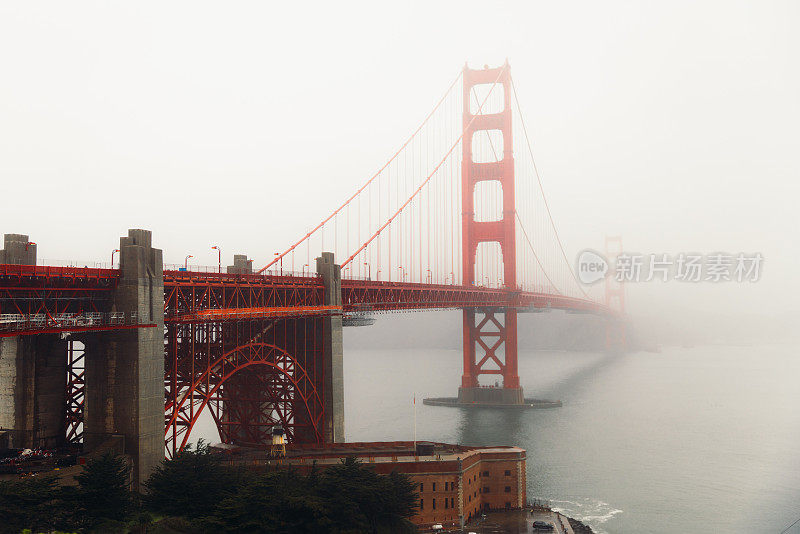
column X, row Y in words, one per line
column 363, row 501
column 191, row 484
column 276, row 501
column 345, row 498
column 400, row 505
column 349, row 490
column 28, row 503
column 103, row 494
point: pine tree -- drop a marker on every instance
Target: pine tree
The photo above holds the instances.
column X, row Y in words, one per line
column 103, row 492
column 191, row 484
column 28, row 503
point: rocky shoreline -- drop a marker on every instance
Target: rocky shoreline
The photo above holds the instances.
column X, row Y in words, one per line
column 578, row 527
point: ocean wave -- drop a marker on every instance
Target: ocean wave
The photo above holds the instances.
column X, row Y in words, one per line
column 600, row 518
column 573, row 503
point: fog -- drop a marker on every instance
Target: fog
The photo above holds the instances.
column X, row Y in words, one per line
column 241, row 124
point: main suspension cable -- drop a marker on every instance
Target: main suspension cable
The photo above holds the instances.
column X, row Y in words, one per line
column 374, row 176
column 425, row 182
column 541, row 188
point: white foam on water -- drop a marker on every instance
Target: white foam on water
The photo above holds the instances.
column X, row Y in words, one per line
column 592, row 512
column 573, row 503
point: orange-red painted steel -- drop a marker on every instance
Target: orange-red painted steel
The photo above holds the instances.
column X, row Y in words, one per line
column 244, row 347
column 502, row 231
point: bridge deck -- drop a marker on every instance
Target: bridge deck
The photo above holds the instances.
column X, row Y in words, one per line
column 40, row 299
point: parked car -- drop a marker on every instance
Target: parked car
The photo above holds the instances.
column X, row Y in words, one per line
column 542, row 525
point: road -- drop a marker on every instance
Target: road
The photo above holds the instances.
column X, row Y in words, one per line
column 518, row 522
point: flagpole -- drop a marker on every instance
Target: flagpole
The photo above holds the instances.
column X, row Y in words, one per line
column 415, row 424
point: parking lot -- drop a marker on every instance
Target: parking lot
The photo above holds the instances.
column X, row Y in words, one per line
column 515, row 522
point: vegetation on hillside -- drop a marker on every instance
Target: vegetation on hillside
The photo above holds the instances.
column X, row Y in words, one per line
column 196, row 493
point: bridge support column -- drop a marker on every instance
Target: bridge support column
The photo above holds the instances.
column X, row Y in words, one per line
column 125, row 369
column 333, row 356
column 490, row 348
column 32, row 374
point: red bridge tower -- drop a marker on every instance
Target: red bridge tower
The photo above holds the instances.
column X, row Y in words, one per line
column 490, row 334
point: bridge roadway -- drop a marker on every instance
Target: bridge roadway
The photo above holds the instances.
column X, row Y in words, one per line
column 48, row 299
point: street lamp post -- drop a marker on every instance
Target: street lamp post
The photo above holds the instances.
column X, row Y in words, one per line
column 219, row 256
column 281, row 262
column 304, row 269
column 186, row 262
column 369, row 270
column 112, row 256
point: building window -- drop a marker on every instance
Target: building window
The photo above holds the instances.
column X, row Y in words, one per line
column 486, row 489
column 451, row 503
column 508, row 505
column 508, row 473
column 434, row 504
column 486, row 473
column 446, row 484
column 421, row 504
column 421, row 487
column 434, row 486
column 446, row 504
column 469, row 498
column 508, row 489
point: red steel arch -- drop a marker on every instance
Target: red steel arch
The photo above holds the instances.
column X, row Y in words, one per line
column 287, row 381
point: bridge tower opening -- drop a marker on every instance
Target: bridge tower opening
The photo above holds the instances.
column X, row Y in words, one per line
column 489, row 334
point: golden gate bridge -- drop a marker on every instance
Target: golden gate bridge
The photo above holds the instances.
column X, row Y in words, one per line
column 457, row 218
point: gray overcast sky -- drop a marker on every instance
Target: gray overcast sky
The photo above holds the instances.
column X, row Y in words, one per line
column 674, row 124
